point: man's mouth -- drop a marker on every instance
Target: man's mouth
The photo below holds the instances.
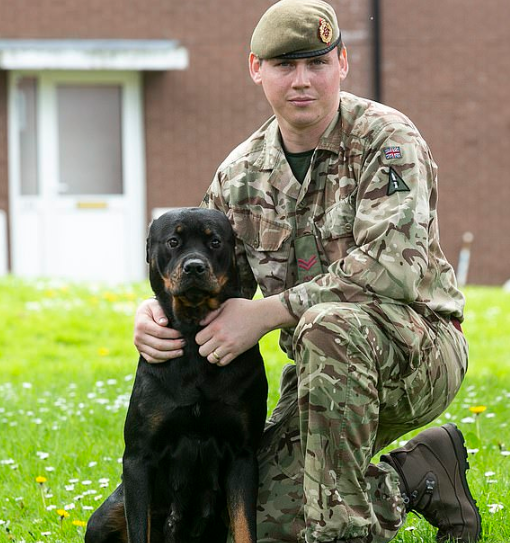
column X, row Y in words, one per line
column 301, row 101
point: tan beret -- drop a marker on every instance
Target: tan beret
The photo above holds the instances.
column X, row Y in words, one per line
column 296, row 29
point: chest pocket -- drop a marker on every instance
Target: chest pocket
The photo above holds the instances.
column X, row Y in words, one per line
column 335, row 229
column 267, row 246
column 337, row 221
column 258, row 232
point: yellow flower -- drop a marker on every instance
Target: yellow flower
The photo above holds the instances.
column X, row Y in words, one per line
column 110, row 297
column 79, row 523
column 62, row 513
column 103, row 351
column 477, row 409
column 40, row 479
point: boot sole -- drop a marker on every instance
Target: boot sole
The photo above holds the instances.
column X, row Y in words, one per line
column 457, row 440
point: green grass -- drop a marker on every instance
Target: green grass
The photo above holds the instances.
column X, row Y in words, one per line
column 66, row 367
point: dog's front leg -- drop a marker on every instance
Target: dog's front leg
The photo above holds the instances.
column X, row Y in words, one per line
column 137, row 499
column 241, row 489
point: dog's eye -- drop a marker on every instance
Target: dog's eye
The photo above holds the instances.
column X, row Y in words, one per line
column 215, row 243
column 173, row 243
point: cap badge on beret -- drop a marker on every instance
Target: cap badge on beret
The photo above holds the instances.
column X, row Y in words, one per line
column 325, row 31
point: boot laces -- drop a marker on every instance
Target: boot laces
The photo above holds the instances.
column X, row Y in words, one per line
column 410, row 500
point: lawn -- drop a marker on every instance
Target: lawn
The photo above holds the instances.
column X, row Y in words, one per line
column 67, row 367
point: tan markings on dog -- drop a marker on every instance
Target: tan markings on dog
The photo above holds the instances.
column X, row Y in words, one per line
column 117, row 521
column 168, row 283
column 155, row 420
column 179, row 228
column 207, row 231
column 222, row 279
column 149, row 518
column 171, row 281
column 177, row 305
column 240, row 524
column 213, row 303
column 210, row 301
column 183, row 301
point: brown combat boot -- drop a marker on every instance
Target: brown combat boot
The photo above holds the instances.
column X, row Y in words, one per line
column 432, row 469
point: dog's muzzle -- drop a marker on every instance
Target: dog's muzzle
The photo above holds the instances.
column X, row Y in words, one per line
column 194, row 267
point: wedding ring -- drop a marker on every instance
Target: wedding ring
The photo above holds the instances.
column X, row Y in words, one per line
column 215, row 354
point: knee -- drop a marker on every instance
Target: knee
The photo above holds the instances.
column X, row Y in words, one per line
column 322, row 323
column 332, row 330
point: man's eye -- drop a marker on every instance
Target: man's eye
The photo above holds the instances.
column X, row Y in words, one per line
column 173, row 243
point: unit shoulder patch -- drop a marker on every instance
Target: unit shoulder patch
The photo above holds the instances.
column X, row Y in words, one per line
column 396, row 183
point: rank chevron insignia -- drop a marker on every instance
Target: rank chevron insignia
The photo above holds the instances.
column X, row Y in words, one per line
column 307, row 264
column 396, row 183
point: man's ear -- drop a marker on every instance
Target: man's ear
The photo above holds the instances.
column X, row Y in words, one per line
column 255, row 65
column 344, row 64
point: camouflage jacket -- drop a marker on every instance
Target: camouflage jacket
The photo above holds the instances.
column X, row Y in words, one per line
column 361, row 227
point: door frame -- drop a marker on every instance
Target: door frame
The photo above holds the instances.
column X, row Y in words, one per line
column 133, row 162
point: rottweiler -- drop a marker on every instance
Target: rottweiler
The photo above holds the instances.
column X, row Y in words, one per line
column 192, row 428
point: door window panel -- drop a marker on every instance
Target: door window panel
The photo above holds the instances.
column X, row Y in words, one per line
column 90, row 139
column 27, row 122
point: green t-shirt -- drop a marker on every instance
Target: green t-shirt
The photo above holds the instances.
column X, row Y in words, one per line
column 299, row 163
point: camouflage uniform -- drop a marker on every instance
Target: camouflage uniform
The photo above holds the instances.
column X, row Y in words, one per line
column 354, row 254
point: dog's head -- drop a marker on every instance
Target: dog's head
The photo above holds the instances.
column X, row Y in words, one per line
column 191, row 259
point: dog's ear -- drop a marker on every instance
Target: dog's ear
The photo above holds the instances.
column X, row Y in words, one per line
column 148, row 244
column 235, row 277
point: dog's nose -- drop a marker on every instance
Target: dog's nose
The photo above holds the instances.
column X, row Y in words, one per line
column 194, row 267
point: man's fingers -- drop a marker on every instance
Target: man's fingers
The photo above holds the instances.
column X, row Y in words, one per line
column 219, row 360
column 154, row 350
column 158, row 315
column 210, row 317
column 154, row 356
column 152, row 338
column 150, row 328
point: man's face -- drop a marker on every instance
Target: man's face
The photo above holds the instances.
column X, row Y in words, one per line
column 303, row 93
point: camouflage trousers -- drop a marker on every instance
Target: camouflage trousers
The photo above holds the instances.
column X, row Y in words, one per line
column 364, row 375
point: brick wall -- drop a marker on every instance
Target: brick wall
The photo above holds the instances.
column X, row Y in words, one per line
column 193, row 118
column 443, row 65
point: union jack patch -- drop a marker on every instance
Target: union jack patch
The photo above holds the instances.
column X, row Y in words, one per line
column 392, row 152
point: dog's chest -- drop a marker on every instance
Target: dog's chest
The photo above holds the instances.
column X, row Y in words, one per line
column 190, row 397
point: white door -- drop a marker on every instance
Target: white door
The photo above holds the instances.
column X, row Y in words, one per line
column 77, row 182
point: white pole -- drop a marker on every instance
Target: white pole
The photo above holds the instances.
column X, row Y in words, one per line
column 464, row 256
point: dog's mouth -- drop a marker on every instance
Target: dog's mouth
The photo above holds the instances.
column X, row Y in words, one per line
column 191, row 288
column 193, row 283
column 193, row 299
column 194, row 290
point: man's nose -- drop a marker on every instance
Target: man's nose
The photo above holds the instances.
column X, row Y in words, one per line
column 301, row 76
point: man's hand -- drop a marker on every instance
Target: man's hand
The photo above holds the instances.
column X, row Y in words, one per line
column 154, row 341
column 238, row 325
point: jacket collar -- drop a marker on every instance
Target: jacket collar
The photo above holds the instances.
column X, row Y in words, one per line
column 272, row 154
column 272, row 151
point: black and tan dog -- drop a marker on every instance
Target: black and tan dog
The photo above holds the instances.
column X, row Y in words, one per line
column 192, row 428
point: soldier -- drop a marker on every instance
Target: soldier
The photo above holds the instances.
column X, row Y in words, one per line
column 334, row 205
